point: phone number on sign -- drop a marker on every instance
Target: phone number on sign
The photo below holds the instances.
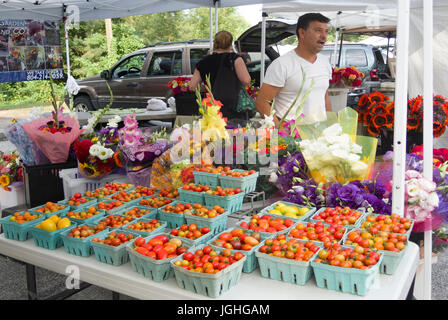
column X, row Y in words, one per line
column 44, row 74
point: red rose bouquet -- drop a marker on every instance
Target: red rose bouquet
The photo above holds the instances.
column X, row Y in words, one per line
column 346, row 77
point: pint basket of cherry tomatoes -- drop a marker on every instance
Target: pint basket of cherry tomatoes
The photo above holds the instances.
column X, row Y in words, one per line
column 286, row 259
column 113, row 220
column 208, row 176
column 127, row 197
column 169, row 193
column 174, row 213
column 390, row 245
column 111, row 206
column 193, row 193
column 78, row 201
column 50, row 237
column 154, row 202
column 151, row 256
column 85, row 214
column 375, row 223
column 268, row 225
column 18, row 225
column 239, row 240
column 77, row 239
column 245, row 180
column 214, row 217
column 322, row 233
column 146, row 226
column 192, row 234
column 208, row 272
column 136, row 212
column 228, row 198
column 346, row 269
column 345, row 216
column 50, row 209
column 110, row 247
column 108, row 190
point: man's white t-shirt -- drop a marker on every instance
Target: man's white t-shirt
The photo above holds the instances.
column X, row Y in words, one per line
column 286, row 72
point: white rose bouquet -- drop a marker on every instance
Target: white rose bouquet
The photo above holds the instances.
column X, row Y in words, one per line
column 334, row 157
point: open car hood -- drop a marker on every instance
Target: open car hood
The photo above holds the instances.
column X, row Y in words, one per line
column 276, row 31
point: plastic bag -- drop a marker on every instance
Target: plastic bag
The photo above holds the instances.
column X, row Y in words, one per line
column 156, row 105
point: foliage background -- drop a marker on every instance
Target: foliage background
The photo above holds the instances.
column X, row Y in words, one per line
column 88, row 46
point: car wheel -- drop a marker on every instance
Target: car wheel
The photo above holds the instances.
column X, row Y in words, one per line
column 82, row 104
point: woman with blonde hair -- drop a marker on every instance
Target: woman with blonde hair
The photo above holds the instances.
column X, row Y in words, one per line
column 227, row 72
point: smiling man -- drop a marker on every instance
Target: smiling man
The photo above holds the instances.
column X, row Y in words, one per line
column 284, row 76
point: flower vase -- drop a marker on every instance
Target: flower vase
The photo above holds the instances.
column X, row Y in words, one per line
column 15, row 197
column 338, row 98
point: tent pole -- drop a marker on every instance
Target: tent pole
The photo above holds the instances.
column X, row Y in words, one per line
column 263, row 45
column 340, row 48
column 216, row 16
column 335, row 49
column 428, row 87
column 387, row 49
column 401, row 99
column 67, row 53
column 211, row 28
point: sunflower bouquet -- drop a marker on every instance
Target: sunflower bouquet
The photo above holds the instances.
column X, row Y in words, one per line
column 376, row 112
column 97, row 152
column 10, row 170
column 415, row 115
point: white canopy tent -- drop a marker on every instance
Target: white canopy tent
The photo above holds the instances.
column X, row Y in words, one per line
column 422, row 44
column 102, row 9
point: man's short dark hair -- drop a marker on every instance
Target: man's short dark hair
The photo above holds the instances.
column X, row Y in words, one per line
column 304, row 21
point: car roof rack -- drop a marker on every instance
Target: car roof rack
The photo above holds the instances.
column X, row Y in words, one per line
column 178, row 42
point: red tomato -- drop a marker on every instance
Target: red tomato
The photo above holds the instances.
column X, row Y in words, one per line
column 140, row 241
column 188, row 256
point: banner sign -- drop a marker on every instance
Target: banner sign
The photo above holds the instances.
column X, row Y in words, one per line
column 30, row 50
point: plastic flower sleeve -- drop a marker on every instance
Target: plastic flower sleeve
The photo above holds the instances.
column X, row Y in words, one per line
column 333, row 152
column 55, row 146
column 309, row 131
column 29, row 152
column 348, row 119
column 368, row 154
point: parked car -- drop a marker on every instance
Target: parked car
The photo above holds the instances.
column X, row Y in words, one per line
column 141, row 75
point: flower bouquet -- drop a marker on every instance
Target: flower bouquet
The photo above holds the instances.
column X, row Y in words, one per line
column 95, row 160
column 55, row 134
column 421, row 200
column 347, row 77
column 10, row 170
column 29, row 152
column 334, row 153
column 140, row 150
column 179, row 85
column 376, row 113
